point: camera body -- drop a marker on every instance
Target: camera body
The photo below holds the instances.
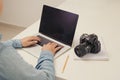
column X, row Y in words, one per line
column 88, row 44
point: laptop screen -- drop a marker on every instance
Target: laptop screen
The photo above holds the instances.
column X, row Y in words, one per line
column 58, row 24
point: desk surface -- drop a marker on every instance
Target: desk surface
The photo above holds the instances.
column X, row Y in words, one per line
column 97, row 16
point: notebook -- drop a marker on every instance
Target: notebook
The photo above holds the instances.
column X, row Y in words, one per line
column 57, row 26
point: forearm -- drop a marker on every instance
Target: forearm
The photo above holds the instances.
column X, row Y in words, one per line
column 13, row 67
column 14, row 43
column 46, row 64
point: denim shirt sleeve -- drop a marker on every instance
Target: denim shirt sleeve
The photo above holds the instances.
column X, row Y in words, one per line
column 13, row 67
column 14, row 43
column 46, row 63
column 10, row 59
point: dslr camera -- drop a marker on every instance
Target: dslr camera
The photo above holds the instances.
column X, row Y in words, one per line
column 88, row 44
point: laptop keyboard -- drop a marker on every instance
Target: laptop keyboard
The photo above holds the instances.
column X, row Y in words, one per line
column 45, row 41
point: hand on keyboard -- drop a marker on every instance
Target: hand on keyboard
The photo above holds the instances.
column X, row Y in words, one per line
column 53, row 47
column 29, row 41
column 45, row 41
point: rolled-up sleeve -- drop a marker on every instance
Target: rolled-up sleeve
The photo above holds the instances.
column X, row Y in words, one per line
column 13, row 67
column 46, row 63
column 14, row 43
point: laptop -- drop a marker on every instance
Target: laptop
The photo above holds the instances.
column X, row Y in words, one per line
column 57, row 26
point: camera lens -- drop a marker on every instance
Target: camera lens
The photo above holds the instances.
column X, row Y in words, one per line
column 88, row 44
column 80, row 51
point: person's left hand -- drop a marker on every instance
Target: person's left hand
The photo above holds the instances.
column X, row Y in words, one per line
column 29, row 41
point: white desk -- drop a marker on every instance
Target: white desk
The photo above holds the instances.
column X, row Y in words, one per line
column 96, row 16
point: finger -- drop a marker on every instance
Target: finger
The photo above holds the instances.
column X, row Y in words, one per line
column 44, row 45
column 32, row 42
column 49, row 43
column 35, row 38
column 54, row 44
column 57, row 48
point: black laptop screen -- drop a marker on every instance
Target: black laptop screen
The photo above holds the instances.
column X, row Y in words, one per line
column 58, row 24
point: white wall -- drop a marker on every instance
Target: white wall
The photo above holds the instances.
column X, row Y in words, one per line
column 24, row 12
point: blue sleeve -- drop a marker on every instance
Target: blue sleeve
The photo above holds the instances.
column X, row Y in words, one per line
column 14, row 43
column 46, row 63
column 13, row 67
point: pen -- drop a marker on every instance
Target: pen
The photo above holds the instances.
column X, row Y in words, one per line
column 65, row 64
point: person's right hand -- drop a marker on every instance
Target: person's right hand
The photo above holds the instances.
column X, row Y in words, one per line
column 29, row 41
column 51, row 47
